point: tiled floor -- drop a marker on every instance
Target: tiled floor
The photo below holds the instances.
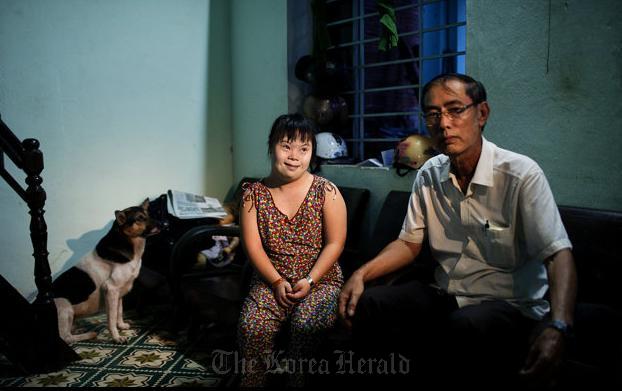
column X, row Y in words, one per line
column 150, row 358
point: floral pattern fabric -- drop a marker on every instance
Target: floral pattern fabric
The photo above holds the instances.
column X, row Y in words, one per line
column 293, row 245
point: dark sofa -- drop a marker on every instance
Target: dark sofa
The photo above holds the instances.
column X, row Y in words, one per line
column 594, row 355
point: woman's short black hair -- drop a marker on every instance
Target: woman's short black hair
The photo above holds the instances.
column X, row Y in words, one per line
column 292, row 127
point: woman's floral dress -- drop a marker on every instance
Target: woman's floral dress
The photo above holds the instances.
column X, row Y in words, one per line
column 293, row 245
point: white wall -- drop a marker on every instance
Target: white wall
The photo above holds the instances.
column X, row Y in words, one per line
column 554, row 81
column 219, row 141
column 115, row 91
column 259, row 80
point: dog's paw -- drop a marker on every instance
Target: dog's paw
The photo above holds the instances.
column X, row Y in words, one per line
column 90, row 335
column 69, row 338
column 123, row 326
column 120, row 339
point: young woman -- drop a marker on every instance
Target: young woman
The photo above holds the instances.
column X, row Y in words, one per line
column 293, row 230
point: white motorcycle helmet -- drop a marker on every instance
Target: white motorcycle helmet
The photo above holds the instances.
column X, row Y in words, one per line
column 330, row 146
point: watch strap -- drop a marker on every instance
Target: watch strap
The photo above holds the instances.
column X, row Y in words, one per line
column 560, row 326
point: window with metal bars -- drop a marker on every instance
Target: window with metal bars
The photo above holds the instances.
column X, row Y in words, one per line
column 382, row 88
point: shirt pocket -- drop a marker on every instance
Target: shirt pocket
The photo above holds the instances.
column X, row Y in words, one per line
column 499, row 246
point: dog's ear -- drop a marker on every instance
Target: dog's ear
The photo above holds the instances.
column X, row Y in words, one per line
column 145, row 204
column 120, row 216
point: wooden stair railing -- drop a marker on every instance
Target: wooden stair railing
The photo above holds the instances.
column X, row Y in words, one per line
column 29, row 335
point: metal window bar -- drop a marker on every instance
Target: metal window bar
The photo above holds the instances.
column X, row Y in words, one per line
column 361, row 80
column 359, row 66
column 369, row 15
column 387, row 114
column 407, row 60
column 374, row 140
column 402, row 86
column 425, row 2
column 405, row 34
column 421, row 50
column 382, row 89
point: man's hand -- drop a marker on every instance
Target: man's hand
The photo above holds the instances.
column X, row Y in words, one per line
column 281, row 292
column 349, row 297
column 300, row 290
column 545, row 355
column 544, row 358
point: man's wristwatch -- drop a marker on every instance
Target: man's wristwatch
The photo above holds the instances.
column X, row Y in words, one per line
column 561, row 326
column 310, row 280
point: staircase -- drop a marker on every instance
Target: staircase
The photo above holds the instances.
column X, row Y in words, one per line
column 29, row 332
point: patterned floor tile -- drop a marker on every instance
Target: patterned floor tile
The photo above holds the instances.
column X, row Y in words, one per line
column 189, row 381
column 191, row 365
column 104, row 336
column 123, row 380
column 159, row 339
column 148, row 358
column 151, row 357
column 94, row 355
column 64, row 378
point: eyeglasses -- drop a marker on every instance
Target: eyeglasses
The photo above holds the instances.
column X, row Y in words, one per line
column 432, row 118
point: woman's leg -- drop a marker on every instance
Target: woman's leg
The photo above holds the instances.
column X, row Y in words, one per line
column 310, row 320
column 260, row 321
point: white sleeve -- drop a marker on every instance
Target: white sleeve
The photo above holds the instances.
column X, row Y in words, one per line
column 413, row 227
column 542, row 226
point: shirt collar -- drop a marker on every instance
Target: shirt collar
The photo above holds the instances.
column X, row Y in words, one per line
column 483, row 171
column 444, row 175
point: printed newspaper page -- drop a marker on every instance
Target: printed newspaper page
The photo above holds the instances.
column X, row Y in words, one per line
column 191, row 206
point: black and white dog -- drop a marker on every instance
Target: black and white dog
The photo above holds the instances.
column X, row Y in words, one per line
column 105, row 274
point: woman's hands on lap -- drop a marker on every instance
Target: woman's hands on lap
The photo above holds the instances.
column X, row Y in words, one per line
column 300, row 290
column 282, row 292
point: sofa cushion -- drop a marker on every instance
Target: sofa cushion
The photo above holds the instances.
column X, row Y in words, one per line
column 594, row 234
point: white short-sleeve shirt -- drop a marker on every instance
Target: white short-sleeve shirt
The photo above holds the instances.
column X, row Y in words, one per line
column 491, row 242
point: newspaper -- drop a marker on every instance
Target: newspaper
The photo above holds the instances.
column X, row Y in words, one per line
column 191, row 206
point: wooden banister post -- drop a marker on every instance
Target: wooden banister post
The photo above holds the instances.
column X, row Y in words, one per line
column 33, row 165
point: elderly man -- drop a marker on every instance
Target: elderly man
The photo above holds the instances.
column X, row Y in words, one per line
column 505, row 285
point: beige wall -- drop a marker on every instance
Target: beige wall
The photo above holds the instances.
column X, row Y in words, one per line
column 555, row 89
column 115, row 91
column 259, row 75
